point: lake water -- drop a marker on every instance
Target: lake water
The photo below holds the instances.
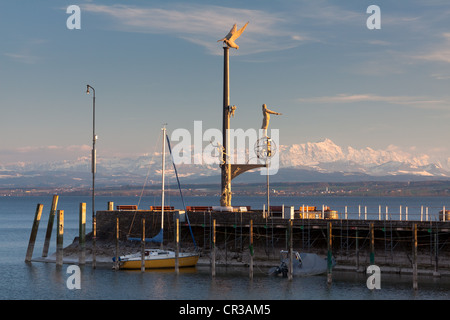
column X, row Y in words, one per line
column 41, row 281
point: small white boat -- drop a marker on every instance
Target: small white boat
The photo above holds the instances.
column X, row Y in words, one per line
column 157, row 259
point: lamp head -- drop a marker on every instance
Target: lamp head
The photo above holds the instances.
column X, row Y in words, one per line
column 87, row 89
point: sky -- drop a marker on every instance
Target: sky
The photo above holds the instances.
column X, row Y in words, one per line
column 157, row 62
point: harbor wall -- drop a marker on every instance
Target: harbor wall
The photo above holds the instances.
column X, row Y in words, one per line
column 355, row 244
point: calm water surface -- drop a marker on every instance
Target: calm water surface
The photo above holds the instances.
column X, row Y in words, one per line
column 19, row 281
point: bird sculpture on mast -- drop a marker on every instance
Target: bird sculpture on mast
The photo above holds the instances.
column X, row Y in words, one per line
column 231, row 37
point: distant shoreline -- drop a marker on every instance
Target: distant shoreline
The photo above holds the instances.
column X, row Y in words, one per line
column 438, row 188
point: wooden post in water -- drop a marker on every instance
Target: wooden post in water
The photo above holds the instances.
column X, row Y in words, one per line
column 213, row 253
column 116, row 265
column 251, row 249
column 415, row 286
column 329, row 253
column 59, row 238
column 177, row 251
column 82, row 234
column 372, row 245
column 34, row 230
column 94, row 236
column 51, row 218
column 143, row 246
column 357, row 248
column 110, row 206
column 291, row 252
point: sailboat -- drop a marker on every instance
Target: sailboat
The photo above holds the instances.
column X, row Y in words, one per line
column 159, row 258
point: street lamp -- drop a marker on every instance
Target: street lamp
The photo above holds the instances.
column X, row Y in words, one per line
column 93, row 166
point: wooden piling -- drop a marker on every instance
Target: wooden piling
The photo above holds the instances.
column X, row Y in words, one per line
column 329, row 253
column 291, row 251
column 117, row 244
column 251, row 249
column 34, row 230
column 82, row 234
column 110, row 206
column 372, row 245
column 415, row 286
column 94, row 238
column 51, row 219
column 213, row 253
column 177, row 251
column 357, row 248
column 143, row 246
column 59, row 238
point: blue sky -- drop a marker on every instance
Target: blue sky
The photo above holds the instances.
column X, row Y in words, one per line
column 155, row 62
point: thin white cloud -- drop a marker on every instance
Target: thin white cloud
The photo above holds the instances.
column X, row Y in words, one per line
column 204, row 25
column 420, row 102
column 39, row 154
column 440, row 53
column 21, row 57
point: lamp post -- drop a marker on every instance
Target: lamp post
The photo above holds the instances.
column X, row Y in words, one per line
column 93, row 166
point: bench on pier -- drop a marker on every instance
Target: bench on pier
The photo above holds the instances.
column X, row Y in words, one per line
column 159, row 208
column 127, row 207
column 307, row 208
column 198, row 208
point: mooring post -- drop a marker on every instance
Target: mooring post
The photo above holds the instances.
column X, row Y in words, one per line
column 400, row 213
column 59, row 238
column 365, row 212
column 406, row 213
column 291, row 252
column 251, row 249
column 329, row 254
column 415, row 286
column 116, row 264
column 82, row 234
column 372, row 245
column 357, row 247
column 143, row 246
column 359, row 212
column 34, row 230
column 94, row 236
column 177, row 251
column 110, row 206
column 436, row 250
column 51, row 218
column 213, row 253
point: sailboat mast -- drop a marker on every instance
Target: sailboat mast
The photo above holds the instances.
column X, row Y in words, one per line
column 163, row 173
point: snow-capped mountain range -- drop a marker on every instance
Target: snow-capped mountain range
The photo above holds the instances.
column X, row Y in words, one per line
column 311, row 161
column 325, row 156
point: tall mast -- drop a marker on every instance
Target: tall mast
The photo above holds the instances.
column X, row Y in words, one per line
column 163, row 173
